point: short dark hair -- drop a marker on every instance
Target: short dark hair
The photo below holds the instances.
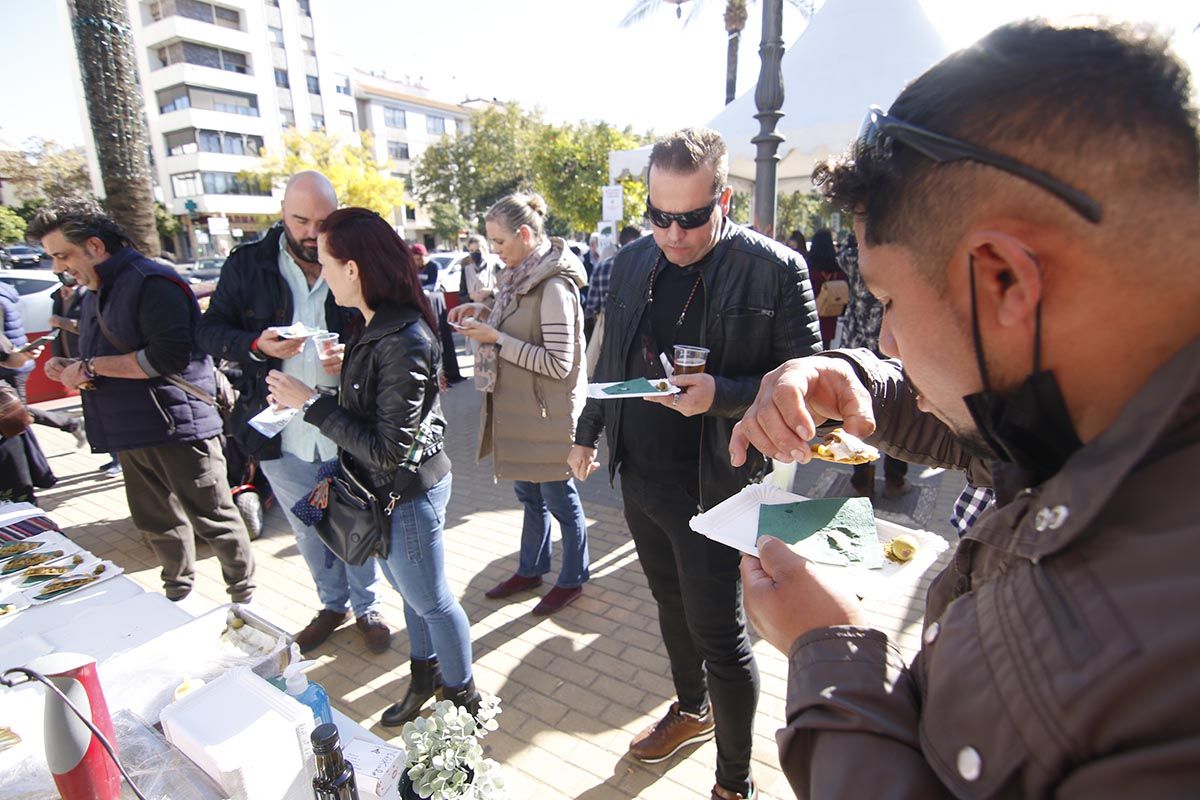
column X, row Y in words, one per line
column 689, row 149
column 630, row 233
column 387, row 272
column 1106, row 109
column 79, row 220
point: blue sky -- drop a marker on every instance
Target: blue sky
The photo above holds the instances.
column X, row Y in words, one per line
column 567, row 56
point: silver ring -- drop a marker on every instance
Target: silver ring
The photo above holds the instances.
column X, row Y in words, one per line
column 675, row 400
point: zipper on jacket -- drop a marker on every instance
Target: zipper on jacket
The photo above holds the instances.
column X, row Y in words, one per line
column 703, row 343
column 166, row 417
column 1077, row 639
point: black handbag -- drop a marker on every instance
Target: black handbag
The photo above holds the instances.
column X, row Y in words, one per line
column 356, row 524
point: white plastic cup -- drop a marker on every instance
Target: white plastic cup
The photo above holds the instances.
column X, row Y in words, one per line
column 326, row 341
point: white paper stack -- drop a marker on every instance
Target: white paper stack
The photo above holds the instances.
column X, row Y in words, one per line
column 247, row 735
column 734, row 522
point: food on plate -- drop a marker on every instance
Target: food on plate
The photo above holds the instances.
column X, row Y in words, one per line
column 844, row 448
column 31, row 560
column 662, row 386
column 7, row 608
column 64, row 585
column 902, row 548
column 38, row 574
column 10, row 549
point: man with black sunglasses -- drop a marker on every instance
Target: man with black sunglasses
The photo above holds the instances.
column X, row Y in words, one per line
column 999, row 203
column 699, row 280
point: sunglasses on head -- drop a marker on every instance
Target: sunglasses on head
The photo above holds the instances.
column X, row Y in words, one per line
column 687, row 220
column 880, row 131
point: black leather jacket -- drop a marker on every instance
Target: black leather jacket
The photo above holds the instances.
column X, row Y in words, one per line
column 389, row 385
column 758, row 313
column 252, row 296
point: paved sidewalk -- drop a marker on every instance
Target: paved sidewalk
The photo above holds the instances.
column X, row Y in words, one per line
column 574, row 687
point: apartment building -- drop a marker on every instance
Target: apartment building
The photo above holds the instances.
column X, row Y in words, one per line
column 221, row 82
column 403, row 120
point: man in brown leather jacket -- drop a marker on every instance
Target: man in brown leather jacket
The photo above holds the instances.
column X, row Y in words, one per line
column 999, row 205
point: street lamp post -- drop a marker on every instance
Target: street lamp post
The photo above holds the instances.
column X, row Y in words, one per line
column 768, row 98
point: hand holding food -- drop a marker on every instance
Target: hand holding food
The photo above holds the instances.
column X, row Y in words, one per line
column 844, row 448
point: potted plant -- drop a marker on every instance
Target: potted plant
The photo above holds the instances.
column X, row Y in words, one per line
column 444, row 759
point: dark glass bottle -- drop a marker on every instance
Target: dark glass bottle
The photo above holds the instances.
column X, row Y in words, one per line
column 335, row 775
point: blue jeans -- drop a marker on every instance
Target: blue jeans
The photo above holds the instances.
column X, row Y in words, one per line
column 560, row 499
column 415, row 566
column 339, row 586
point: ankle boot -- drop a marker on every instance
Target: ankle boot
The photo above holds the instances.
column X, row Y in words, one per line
column 426, row 683
column 467, row 697
column 863, row 480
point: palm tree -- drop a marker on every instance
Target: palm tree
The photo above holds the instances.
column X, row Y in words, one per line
column 736, row 14
column 108, row 66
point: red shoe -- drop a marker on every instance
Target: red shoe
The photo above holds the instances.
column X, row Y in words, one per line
column 517, row 583
column 556, row 599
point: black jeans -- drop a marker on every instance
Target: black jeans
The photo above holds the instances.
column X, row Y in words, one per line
column 449, row 353
column 698, row 589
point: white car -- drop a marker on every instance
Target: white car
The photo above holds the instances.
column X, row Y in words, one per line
column 37, row 294
column 449, row 271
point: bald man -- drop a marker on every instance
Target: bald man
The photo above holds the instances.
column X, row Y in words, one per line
column 276, row 281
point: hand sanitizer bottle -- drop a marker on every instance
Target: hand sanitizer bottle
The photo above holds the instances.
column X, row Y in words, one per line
column 310, row 693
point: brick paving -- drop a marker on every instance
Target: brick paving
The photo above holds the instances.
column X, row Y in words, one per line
column 574, row 687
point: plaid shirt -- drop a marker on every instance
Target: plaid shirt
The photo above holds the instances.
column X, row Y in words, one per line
column 973, row 501
column 598, row 288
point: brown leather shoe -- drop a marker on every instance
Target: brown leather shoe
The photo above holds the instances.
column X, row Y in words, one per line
column 719, row 792
column 320, row 628
column 375, row 631
column 556, row 599
column 517, row 583
column 664, row 738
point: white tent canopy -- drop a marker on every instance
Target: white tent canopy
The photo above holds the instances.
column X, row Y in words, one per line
column 853, row 54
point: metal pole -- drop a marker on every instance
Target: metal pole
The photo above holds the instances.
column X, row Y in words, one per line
column 768, row 97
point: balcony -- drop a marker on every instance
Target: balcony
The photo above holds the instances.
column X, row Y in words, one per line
column 226, row 204
column 207, row 119
column 209, row 162
column 172, row 28
column 208, row 77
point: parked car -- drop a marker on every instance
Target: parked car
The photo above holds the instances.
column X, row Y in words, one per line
column 37, row 296
column 23, row 255
column 203, row 271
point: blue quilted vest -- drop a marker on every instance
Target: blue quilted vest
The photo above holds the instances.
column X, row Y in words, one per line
column 14, row 330
column 125, row 414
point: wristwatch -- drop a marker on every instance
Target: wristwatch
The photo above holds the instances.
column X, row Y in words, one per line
column 309, row 403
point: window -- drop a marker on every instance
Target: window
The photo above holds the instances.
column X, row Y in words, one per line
column 281, row 79
column 394, row 117
column 318, row 121
column 342, row 84
column 435, row 124
column 272, row 3
column 180, row 97
column 304, row 8
column 287, row 118
column 348, row 118
column 398, row 151
column 195, row 9
column 203, row 56
column 230, row 183
column 314, row 85
column 181, row 142
column 410, row 213
column 205, row 141
column 186, row 184
column 209, row 141
column 310, row 46
column 275, row 35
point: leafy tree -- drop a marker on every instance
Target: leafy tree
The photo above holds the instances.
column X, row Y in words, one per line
column 167, row 224
column 736, row 14
column 472, row 170
column 447, row 222
column 29, row 208
column 45, row 169
column 807, row 212
column 357, row 177
column 571, row 164
column 12, row 227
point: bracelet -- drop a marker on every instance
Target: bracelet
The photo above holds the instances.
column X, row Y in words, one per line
column 309, row 403
column 255, row 353
column 89, row 369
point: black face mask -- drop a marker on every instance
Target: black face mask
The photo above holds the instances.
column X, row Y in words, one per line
column 1031, row 427
column 477, row 257
column 67, row 279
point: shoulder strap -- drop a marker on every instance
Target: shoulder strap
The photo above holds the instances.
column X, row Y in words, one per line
column 175, row 380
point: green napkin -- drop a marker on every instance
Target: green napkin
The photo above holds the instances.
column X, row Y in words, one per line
column 635, row 386
column 846, row 526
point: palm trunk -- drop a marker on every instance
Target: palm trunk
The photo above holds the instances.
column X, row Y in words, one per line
column 108, row 65
column 731, row 57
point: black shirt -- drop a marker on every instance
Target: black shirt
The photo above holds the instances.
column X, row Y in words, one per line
column 658, row 442
column 165, row 317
